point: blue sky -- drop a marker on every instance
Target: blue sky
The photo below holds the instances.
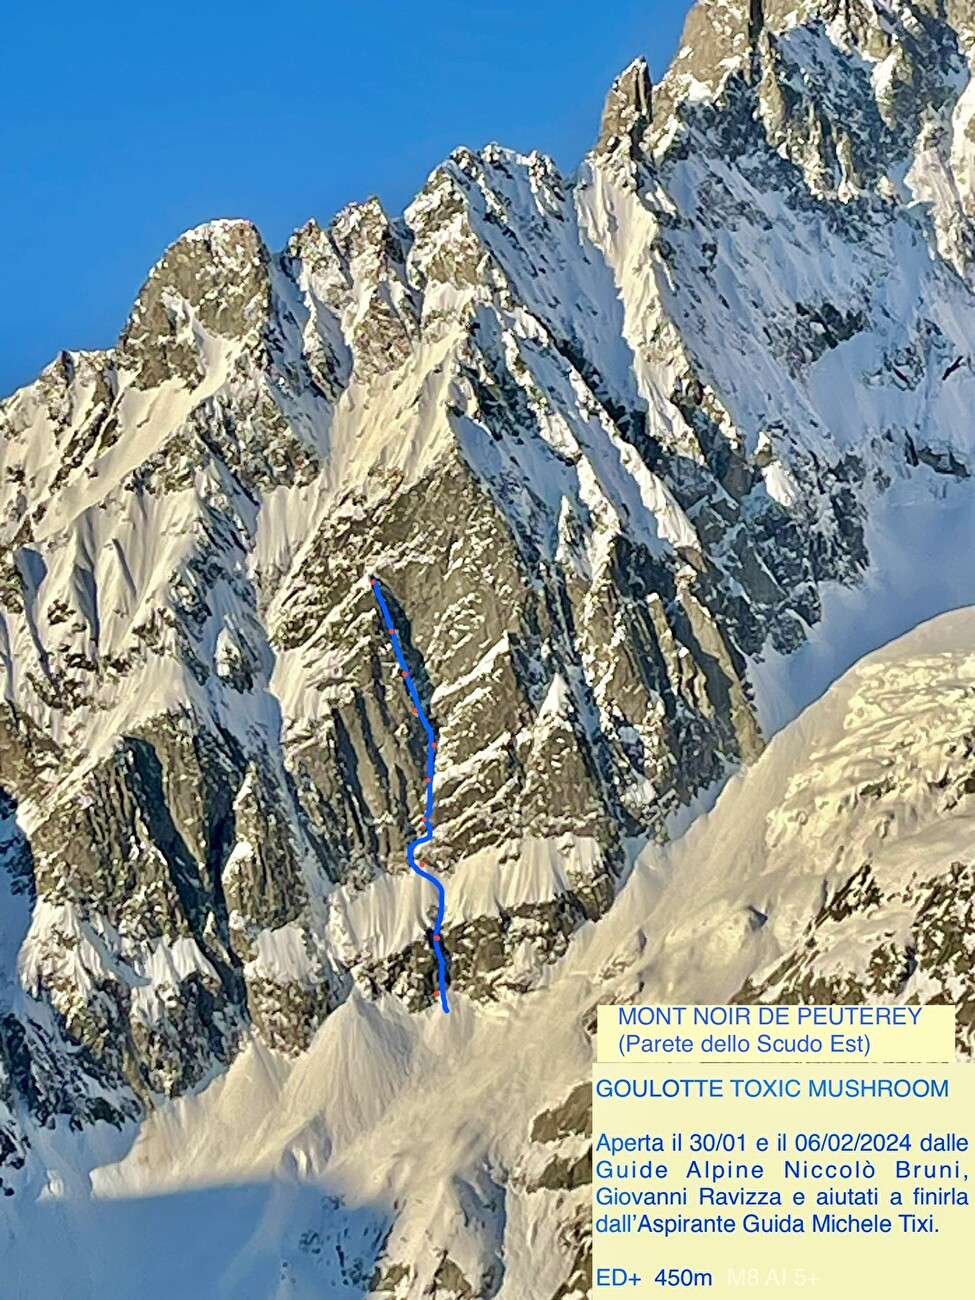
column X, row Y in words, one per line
column 123, row 124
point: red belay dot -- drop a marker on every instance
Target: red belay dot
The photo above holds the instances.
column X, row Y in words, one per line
column 436, row 938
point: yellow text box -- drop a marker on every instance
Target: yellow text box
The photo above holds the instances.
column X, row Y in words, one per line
column 766, row 1032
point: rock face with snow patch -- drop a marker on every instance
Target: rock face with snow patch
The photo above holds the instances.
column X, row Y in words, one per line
column 606, row 440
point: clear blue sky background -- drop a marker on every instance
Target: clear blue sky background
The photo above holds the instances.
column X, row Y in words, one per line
column 125, row 122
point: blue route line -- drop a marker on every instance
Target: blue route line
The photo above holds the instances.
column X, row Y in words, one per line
column 427, row 836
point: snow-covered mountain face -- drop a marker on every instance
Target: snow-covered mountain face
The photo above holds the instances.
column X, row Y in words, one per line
column 408, row 1155
column 643, row 458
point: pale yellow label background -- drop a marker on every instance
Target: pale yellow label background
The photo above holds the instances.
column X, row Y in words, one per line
column 896, row 1266
column 931, row 1039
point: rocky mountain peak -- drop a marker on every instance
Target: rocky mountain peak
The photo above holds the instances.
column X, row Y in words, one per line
column 724, row 36
column 865, row 98
column 214, row 281
column 629, row 108
column 359, row 226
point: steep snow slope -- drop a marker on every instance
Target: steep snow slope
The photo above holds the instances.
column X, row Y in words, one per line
column 831, row 850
